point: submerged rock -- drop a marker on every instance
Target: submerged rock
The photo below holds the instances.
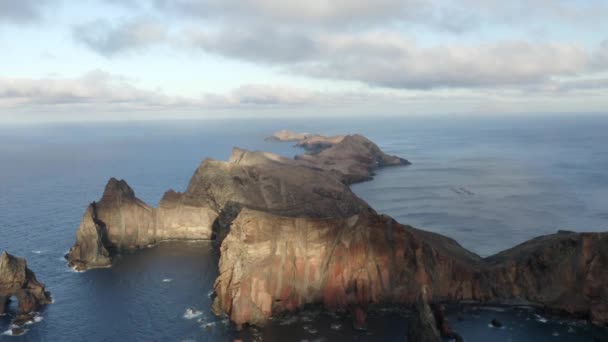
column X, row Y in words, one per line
column 19, row 281
column 495, row 323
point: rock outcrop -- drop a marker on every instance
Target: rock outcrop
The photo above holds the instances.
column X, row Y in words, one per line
column 16, row 280
column 422, row 326
column 120, row 221
column 354, row 158
column 287, row 135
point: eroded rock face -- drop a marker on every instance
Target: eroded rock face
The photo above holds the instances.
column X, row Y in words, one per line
column 272, row 264
column 121, row 221
column 271, row 183
column 19, row 281
column 564, row 271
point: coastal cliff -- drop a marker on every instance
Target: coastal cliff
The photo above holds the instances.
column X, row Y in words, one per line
column 17, row 280
column 291, row 233
column 271, row 265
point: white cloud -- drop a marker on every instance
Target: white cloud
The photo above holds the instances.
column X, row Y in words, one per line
column 389, row 59
column 95, row 87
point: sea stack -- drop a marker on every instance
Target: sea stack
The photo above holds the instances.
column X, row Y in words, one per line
column 17, row 280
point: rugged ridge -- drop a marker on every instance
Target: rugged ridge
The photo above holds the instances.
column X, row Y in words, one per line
column 218, row 189
column 292, row 233
column 17, row 280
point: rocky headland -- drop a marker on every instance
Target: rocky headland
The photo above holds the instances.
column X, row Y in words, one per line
column 291, row 233
column 18, row 281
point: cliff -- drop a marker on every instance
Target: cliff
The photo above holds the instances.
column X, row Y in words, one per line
column 272, row 265
column 17, row 280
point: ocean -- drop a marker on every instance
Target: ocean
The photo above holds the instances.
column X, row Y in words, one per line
column 488, row 182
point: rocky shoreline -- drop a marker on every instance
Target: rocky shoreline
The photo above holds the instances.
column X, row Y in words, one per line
column 291, row 233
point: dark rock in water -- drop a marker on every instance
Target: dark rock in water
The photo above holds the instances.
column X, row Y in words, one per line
column 496, row 323
column 422, row 326
column 19, row 281
column 23, row 319
column 445, row 330
column 359, row 319
column 17, row 331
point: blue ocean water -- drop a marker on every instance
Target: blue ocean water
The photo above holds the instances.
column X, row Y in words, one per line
column 488, row 182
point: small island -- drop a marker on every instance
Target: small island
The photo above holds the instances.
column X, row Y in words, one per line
column 291, row 233
column 17, row 280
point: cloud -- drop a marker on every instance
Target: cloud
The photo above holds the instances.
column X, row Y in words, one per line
column 20, row 11
column 294, row 13
column 600, row 57
column 389, row 59
column 95, row 87
column 264, row 44
column 108, row 39
column 452, row 16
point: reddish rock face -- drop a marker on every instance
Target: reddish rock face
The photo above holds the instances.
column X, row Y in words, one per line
column 19, row 281
column 272, row 264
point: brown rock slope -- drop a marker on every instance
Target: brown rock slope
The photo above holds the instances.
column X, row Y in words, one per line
column 19, row 281
column 352, row 157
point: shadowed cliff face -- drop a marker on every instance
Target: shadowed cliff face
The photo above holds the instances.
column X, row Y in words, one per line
column 19, row 281
column 120, row 221
column 292, row 233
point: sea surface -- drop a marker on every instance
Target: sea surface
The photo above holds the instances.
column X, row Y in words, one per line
column 488, row 182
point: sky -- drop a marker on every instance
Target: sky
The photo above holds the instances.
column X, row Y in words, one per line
column 120, row 60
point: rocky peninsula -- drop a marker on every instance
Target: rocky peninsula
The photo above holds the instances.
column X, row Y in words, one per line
column 292, row 233
column 17, row 280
